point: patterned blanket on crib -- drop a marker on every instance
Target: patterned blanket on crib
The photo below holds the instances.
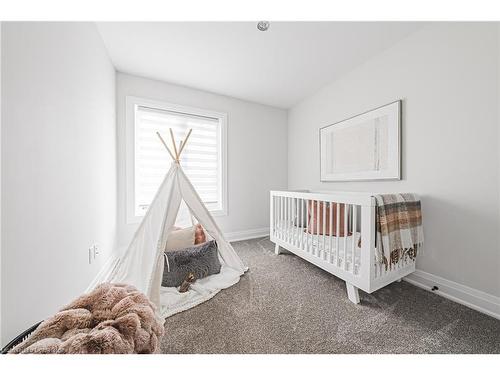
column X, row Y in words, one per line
column 399, row 227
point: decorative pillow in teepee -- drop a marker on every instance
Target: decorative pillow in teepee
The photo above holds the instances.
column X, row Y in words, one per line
column 200, row 260
column 199, row 234
column 182, row 238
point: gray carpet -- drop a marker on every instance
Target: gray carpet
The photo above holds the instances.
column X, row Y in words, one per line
column 286, row 305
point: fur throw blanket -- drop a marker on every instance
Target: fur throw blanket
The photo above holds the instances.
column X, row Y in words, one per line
column 113, row 318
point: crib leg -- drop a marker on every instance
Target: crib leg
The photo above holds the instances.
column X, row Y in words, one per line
column 277, row 249
column 352, row 293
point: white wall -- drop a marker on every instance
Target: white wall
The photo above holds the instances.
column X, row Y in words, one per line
column 1, row 324
column 446, row 75
column 256, row 149
column 58, row 166
column 498, row 118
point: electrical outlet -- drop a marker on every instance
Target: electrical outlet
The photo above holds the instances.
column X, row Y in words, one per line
column 95, row 250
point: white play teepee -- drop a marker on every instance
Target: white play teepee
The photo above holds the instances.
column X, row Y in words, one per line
column 142, row 263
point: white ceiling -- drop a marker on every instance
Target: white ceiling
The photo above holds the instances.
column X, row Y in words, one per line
column 278, row 67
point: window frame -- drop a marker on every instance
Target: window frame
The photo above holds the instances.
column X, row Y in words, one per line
column 131, row 104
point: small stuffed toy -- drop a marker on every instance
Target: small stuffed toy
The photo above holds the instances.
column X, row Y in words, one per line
column 190, row 278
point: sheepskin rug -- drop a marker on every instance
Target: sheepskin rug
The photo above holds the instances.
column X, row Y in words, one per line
column 112, row 319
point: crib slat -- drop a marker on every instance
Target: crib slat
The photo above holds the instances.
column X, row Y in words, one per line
column 297, row 222
column 288, row 214
column 285, row 219
column 346, row 219
column 316, row 250
column 276, row 215
column 282, row 216
column 313, row 213
column 309, row 225
column 299, row 218
column 292, row 218
column 337, row 239
column 323, row 252
column 354, row 244
column 273, row 202
column 313, row 227
column 283, row 224
column 273, row 216
column 331, row 233
column 278, row 209
column 306, row 233
column 302, row 225
column 294, row 221
column 287, row 234
column 318, row 229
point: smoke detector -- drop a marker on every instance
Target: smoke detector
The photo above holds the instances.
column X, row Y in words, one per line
column 263, row 25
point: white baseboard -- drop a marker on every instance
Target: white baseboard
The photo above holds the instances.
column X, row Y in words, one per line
column 473, row 298
column 246, row 234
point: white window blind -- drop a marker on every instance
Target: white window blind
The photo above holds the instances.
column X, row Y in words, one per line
column 201, row 159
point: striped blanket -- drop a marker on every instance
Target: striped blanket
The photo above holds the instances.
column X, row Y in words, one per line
column 399, row 227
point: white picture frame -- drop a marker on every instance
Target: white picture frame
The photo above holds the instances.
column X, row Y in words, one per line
column 363, row 147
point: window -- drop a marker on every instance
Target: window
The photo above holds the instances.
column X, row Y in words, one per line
column 203, row 158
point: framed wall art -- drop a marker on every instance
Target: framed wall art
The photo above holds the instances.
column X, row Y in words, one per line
column 363, row 147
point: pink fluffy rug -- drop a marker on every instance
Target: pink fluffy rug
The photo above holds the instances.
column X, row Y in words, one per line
column 113, row 318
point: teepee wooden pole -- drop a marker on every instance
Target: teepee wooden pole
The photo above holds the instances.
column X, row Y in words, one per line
column 175, row 147
column 165, row 144
column 185, row 141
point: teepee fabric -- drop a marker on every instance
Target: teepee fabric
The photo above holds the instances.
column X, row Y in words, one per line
column 142, row 263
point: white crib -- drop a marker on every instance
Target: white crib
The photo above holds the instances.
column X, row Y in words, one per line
column 345, row 256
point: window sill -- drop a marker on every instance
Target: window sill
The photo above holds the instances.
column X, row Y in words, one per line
column 217, row 213
column 133, row 220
